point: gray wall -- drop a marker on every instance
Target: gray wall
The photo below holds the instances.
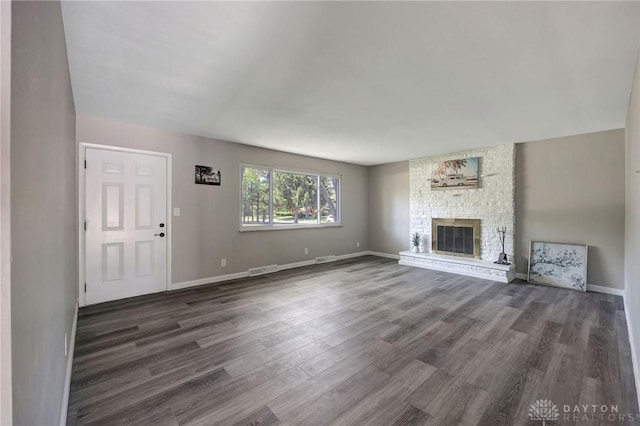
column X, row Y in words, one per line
column 43, row 211
column 632, row 220
column 389, row 207
column 571, row 190
column 208, row 228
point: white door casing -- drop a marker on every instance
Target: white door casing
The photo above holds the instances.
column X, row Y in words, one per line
column 127, row 230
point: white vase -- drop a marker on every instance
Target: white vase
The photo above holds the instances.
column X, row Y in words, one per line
column 415, row 249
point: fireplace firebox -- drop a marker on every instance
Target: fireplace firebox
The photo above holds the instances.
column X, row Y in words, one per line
column 456, row 237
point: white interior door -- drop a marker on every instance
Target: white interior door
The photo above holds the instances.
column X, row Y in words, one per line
column 126, row 214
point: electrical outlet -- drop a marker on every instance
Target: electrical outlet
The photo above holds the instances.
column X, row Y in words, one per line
column 306, row 251
column 223, row 262
column 176, row 211
column 66, row 344
column 358, row 244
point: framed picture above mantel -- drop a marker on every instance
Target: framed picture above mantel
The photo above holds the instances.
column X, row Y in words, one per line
column 558, row 264
column 460, row 173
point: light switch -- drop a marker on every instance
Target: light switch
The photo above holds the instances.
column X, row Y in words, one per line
column 176, row 211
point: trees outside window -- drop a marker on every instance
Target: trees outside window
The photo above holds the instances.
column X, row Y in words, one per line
column 329, row 199
column 255, row 196
column 281, row 197
column 295, row 198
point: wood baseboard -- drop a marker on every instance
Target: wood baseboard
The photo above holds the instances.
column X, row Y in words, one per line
column 381, row 254
column 237, row 275
column 590, row 287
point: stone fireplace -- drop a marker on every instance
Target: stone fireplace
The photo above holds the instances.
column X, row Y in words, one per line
column 456, row 237
column 458, row 226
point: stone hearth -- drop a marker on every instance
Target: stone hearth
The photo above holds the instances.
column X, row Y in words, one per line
column 460, row 265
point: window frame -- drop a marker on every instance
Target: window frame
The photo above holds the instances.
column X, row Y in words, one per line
column 272, row 225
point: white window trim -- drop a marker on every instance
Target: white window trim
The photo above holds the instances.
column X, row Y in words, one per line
column 272, row 226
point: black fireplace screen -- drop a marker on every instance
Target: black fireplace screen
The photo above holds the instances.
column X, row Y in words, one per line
column 455, row 239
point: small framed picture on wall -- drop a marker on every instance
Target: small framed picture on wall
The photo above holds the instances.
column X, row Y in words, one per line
column 206, row 175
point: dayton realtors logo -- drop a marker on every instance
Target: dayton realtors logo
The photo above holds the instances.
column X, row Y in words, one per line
column 544, row 410
column 596, row 413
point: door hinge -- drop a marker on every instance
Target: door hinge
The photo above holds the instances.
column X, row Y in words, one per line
column 85, row 287
column 85, row 164
column 85, row 225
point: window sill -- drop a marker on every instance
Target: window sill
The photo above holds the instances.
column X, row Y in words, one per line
column 288, row 227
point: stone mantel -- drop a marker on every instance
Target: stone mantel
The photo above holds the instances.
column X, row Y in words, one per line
column 492, row 203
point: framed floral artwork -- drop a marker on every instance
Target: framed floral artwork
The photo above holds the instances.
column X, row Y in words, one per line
column 558, row 265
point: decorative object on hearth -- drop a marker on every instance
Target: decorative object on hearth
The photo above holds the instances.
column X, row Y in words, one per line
column 558, row 265
column 461, row 173
column 502, row 257
column 415, row 242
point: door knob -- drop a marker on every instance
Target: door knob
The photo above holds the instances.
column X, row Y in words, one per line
column 160, row 235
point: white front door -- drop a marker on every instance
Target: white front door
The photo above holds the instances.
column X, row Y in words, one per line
column 126, row 229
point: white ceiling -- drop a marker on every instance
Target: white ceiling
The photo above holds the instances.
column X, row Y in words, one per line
column 362, row 82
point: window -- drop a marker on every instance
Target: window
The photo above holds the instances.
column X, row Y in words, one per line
column 274, row 198
column 256, row 196
column 295, row 198
column 329, row 187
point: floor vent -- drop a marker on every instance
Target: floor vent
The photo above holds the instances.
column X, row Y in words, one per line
column 325, row 259
column 263, row 270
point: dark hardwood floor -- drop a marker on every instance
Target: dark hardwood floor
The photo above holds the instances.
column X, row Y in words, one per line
column 363, row 341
